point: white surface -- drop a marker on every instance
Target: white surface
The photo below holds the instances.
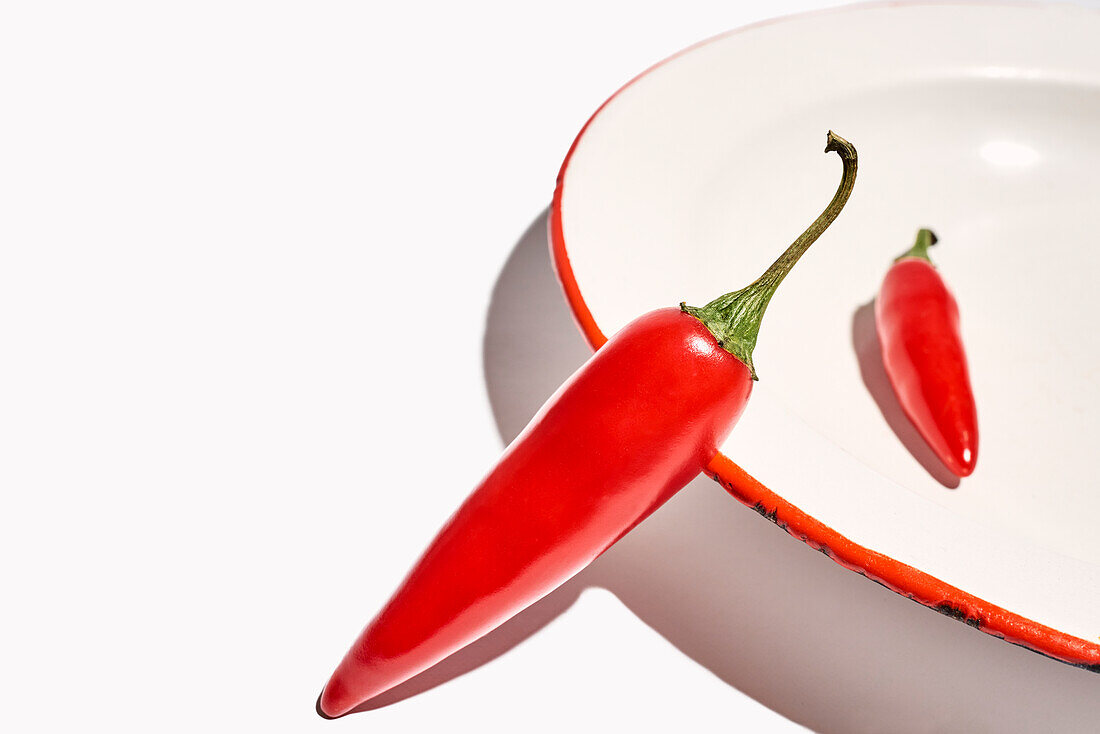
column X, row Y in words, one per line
column 216, row 219
column 693, row 179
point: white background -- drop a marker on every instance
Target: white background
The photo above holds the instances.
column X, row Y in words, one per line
column 273, row 295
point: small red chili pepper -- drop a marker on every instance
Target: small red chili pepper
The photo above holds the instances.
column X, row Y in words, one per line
column 917, row 321
column 629, row 429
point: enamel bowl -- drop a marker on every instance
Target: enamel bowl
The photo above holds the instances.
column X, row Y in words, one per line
column 980, row 122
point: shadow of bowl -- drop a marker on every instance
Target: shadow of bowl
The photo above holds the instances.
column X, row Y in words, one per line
column 768, row 615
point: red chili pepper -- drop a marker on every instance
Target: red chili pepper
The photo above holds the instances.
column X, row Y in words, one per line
column 918, row 326
column 630, row 428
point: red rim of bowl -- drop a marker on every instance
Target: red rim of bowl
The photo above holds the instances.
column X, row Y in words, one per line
column 894, row 575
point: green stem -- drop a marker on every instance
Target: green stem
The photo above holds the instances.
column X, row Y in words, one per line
column 925, row 239
column 734, row 319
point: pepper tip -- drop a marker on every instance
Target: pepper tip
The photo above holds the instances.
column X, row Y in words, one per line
column 321, row 711
column 335, row 708
column 966, row 461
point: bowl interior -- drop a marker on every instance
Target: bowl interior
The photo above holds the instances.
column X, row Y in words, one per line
column 694, row 178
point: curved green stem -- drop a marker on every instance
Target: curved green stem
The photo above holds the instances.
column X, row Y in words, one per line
column 734, row 319
column 925, row 239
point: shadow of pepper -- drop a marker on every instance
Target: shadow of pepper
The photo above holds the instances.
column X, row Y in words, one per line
column 492, row 645
column 871, row 370
column 768, row 615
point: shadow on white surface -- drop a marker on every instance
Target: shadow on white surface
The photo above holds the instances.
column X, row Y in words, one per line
column 763, row 612
column 871, row 370
column 492, row 645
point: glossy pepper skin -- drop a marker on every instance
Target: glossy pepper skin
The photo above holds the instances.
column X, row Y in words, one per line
column 917, row 320
column 601, row 455
column 628, row 430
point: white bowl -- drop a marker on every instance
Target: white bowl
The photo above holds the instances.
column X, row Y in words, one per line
column 981, row 122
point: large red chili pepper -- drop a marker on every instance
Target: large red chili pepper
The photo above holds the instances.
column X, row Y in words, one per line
column 630, row 428
column 917, row 321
